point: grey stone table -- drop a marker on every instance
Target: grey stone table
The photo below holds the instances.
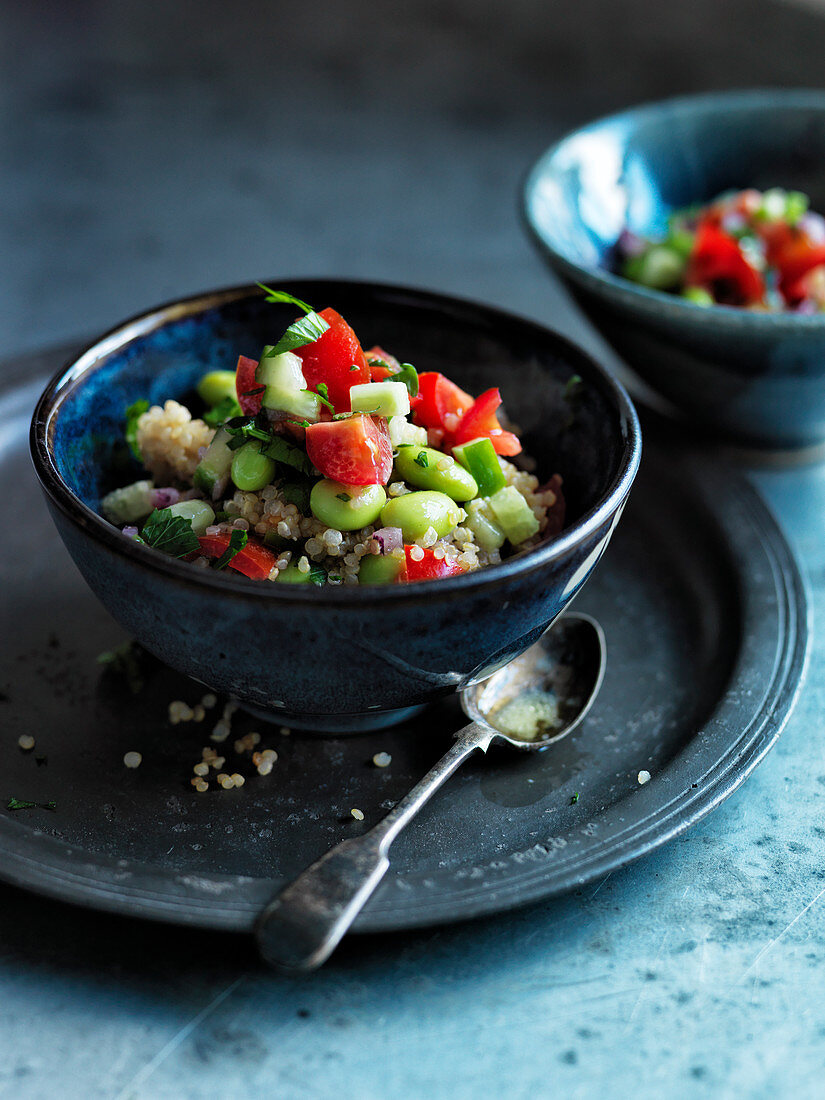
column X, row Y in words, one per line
column 148, row 151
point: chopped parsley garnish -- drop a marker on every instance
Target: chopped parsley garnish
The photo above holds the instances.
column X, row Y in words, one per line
column 237, row 541
column 421, row 460
column 317, row 575
column 306, row 330
column 273, row 446
column 300, row 423
column 321, row 392
column 343, row 496
column 278, row 296
column 169, row 533
column 126, row 661
column 23, row 804
column 224, row 410
column 571, row 389
column 407, row 374
column 133, row 414
column 355, row 367
column 297, row 493
column 574, row 799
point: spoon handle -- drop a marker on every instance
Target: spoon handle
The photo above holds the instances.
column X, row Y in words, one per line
column 302, row 926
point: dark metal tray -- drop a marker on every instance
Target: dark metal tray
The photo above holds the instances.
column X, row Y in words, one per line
column 705, row 615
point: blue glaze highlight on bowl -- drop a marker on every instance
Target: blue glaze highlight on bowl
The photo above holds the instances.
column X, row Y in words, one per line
column 756, row 377
column 337, row 658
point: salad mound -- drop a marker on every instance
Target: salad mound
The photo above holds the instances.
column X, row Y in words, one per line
column 320, row 463
column 758, row 250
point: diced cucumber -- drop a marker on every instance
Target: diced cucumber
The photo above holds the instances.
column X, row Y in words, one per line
column 212, row 473
column 402, row 431
column 382, row 398
column 286, row 388
column 128, row 504
column 488, row 534
column 661, row 268
column 514, row 514
column 198, row 512
column 480, row 458
column 380, row 568
column 293, row 575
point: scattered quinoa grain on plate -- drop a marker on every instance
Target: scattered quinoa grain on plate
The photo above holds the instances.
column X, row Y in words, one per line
column 322, row 464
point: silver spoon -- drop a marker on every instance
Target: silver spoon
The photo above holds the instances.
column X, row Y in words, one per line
column 302, row 926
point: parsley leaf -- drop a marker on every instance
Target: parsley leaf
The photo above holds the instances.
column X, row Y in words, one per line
column 409, row 376
column 306, row 330
column 274, row 446
column 355, row 367
column 226, row 409
column 322, row 393
column 277, row 296
column 23, row 804
column 126, row 661
column 237, row 541
column 297, row 493
column 343, row 496
column 169, row 533
column 133, row 414
column 421, row 460
column 317, row 574
column 574, row 799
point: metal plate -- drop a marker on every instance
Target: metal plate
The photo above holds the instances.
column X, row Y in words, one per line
column 705, row 615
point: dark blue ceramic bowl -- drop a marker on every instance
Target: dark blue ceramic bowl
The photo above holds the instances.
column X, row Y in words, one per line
column 755, row 377
column 340, row 659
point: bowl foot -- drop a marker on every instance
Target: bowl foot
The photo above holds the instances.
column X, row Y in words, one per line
column 335, row 724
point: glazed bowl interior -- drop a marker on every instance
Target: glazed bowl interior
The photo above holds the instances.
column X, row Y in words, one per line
column 383, row 649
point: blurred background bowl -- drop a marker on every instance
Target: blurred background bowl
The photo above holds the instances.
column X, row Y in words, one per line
column 347, row 658
column 756, row 378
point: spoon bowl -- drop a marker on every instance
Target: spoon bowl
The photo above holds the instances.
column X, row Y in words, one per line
column 565, row 667
column 301, row 927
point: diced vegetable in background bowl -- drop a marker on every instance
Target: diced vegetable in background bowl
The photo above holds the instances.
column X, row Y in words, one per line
column 605, row 206
column 309, row 650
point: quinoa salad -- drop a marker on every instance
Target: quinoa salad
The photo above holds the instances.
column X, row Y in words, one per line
column 320, row 463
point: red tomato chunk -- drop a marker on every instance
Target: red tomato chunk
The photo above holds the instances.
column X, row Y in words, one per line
column 356, row 451
column 336, row 360
column 254, row 561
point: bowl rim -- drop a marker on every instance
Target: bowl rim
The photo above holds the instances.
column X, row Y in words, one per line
column 634, row 294
column 96, row 353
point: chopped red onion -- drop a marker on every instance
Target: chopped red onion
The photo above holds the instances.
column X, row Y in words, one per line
column 163, row 498
column 807, row 306
column 130, row 532
column 630, row 243
column 813, row 226
column 389, row 539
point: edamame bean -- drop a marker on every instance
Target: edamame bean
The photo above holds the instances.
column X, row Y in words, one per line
column 427, row 468
column 250, row 470
column 215, row 386
column 346, row 507
column 415, row 513
column 380, row 568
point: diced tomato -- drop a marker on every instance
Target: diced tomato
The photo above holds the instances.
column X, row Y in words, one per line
column 255, row 561
column 440, row 403
column 331, row 358
column 355, row 451
column 388, row 366
column 796, row 259
column 718, row 264
column 249, row 390
column 480, row 420
column 430, row 567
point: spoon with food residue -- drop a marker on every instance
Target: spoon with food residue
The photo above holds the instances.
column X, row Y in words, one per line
column 534, row 701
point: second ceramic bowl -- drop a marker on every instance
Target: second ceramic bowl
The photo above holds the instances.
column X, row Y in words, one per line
column 758, row 378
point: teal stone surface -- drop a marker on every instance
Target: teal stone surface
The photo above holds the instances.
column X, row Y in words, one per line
column 150, row 152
